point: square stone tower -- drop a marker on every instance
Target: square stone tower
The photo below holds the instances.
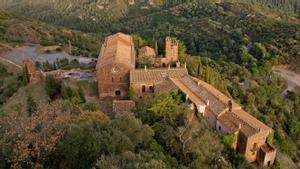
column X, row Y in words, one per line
column 171, row 50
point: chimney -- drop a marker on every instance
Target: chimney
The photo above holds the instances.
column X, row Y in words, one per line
column 230, row 105
column 207, row 102
column 240, row 126
column 185, row 65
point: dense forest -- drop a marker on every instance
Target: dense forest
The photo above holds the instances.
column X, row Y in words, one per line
column 227, row 27
column 91, row 15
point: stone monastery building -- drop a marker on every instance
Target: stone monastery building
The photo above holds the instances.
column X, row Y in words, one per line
column 116, row 74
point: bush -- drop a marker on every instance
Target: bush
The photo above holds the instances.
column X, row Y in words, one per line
column 53, row 87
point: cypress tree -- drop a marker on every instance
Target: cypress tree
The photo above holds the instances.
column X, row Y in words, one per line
column 31, row 105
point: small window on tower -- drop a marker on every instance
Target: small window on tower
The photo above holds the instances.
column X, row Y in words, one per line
column 112, row 79
column 151, row 88
column 143, row 88
column 118, row 93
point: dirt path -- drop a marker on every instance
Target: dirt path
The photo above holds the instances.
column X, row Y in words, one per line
column 8, row 61
column 292, row 79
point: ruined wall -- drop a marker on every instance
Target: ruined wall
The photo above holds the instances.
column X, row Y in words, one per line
column 34, row 74
column 123, row 106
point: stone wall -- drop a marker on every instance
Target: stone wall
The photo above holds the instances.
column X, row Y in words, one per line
column 138, row 88
column 253, row 145
column 123, row 106
column 115, row 85
column 210, row 119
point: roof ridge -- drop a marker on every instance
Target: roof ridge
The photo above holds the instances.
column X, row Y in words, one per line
column 244, row 122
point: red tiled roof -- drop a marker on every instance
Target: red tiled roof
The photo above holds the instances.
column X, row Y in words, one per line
column 204, row 94
column 200, row 92
column 156, row 75
column 232, row 122
column 117, row 48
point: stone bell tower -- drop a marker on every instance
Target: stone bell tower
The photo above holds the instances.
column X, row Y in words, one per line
column 171, row 50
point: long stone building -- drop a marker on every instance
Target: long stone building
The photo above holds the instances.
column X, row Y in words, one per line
column 116, row 74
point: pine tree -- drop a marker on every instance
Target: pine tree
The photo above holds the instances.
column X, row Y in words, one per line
column 156, row 48
column 31, row 105
column 81, row 95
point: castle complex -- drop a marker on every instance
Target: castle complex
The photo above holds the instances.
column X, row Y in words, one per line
column 117, row 75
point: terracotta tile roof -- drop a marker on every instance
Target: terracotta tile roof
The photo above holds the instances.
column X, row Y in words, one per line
column 204, row 94
column 249, row 125
column 192, row 96
column 232, row 122
column 252, row 121
column 200, row 92
column 221, row 97
column 156, row 75
column 117, row 48
column 165, row 86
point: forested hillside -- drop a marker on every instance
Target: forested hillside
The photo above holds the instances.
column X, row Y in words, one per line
column 15, row 29
column 222, row 31
column 223, row 25
column 91, row 15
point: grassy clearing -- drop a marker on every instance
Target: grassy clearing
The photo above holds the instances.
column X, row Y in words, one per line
column 90, row 89
column 18, row 101
column 10, row 67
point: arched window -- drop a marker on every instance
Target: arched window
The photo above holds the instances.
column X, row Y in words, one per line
column 112, row 79
column 143, row 88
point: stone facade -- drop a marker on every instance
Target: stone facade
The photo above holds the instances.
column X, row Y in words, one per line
column 171, row 50
column 154, row 80
column 116, row 59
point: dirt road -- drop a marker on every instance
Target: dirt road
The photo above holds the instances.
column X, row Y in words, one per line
column 292, row 79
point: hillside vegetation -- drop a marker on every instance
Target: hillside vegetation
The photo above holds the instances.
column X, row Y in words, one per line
column 227, row 27
column 20, row 30
column 94, row 15
column 223, row 31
